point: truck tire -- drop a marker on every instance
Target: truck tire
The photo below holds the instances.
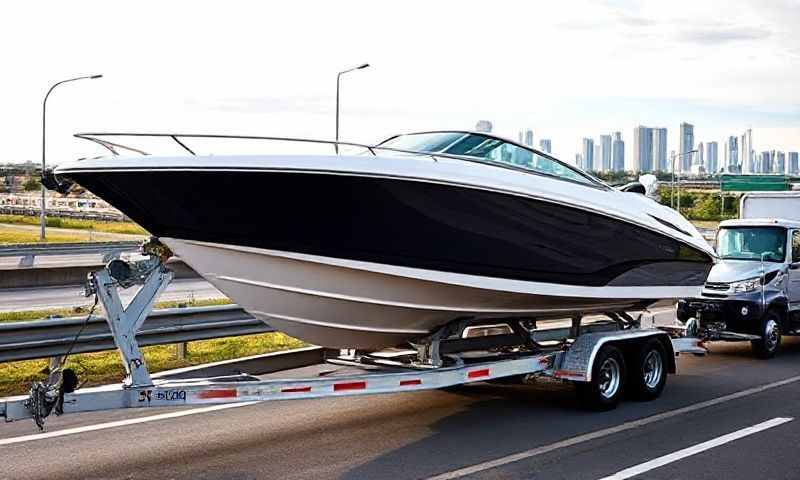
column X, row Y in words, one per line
column 606, row 387
column 770, row 342
column 648, row 374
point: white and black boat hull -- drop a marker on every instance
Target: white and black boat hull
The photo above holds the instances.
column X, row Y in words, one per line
column 372, row 258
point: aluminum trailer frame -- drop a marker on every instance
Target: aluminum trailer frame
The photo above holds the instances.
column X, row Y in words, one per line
column 571, row 359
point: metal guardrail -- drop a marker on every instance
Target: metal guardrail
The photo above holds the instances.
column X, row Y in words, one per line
column 50, row 338
column 109, row 250
column 85, row 248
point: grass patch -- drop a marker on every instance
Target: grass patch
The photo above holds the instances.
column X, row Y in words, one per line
column 77, row 224
column 27, row 315
column 105, row 367
column 19, row 236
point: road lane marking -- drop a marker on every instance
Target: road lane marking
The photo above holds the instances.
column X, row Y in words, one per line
column 121, row 423
column 516, row 457
column 695, row 449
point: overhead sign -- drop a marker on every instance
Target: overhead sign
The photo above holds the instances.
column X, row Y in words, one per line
column 755, row 183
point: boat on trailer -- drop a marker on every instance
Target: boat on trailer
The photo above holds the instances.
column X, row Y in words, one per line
column 388, row 244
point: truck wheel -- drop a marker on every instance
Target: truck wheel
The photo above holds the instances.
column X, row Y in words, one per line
column 648, row 375
column 605, row 389
column 769, row 343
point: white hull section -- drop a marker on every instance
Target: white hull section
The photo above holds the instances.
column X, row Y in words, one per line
column 351, row 304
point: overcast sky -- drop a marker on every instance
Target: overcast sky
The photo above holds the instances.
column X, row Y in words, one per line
column 567, row 69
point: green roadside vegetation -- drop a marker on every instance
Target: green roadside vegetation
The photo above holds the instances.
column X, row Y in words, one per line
column 129, row 228
column 32, row 236
column 702, row 206
column 105, row 367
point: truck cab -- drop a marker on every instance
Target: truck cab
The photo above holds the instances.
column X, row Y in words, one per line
column 753, row 291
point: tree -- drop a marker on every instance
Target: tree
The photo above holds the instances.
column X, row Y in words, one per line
column 31, row 184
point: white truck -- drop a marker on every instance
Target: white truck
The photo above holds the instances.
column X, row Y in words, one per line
column 753, row 293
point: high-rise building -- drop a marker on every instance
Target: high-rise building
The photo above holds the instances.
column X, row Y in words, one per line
column 732, row 155
column 604, row 161
column 686, row 145
column 712, row 160
column 545, row 145
column 588, row 154
column 529, row 138
column 617, row 153
column 763, row 164
column 660, row 162
column 642, row 149
column 793, row 163
column 597, row 159
column 578, row 160
column 746, row 152
column 778, row 162
column 483, row 126
column 698, row 157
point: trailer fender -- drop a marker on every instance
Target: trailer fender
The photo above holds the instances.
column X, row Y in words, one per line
column 576, row 364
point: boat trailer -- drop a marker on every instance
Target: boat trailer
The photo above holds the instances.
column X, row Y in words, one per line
column 592, row 355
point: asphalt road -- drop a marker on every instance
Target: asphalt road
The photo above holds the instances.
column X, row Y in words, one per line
column 722, row 416
column 17, row 299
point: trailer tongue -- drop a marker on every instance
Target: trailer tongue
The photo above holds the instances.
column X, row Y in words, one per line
column 602, row 357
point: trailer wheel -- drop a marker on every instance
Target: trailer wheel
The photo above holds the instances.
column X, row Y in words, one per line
column 770, row 342
column 605, row 389
column 648, row 376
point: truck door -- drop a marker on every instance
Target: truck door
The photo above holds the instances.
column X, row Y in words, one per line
column 794, row 273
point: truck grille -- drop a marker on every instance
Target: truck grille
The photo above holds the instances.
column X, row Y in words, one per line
column 718, row 286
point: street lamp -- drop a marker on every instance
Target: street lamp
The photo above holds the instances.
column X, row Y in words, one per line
column 672, row 193
column 44, row 156
column 338, row 76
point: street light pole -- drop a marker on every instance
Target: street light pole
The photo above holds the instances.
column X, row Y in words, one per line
column 338, row 77
column 44, row 153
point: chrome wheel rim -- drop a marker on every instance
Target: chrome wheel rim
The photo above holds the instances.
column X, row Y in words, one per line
column 771, row 335
column 652, row 369
column 609, row 377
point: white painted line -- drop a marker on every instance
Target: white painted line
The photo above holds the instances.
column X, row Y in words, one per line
column 695, row 449
column 516, row 457
column 121, row 423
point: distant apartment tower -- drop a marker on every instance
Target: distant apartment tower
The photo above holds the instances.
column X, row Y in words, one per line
column 617, row 153
column 545, row 145
column 579, row 160
column 529, row 137
column 642, row 149
column 604, row 162
column 732, row 155
column 660, row 150
column 778, row 162
column 483, row 126
column 746, row 152
column 712, row 158
column 698, row 157
column 588, row 154
column 686, row 145
column 792, row 163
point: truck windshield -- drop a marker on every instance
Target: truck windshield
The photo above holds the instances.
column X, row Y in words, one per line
column 750, row 243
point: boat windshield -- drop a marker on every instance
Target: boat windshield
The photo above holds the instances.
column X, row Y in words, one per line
column 491, row 149
column 750, row 243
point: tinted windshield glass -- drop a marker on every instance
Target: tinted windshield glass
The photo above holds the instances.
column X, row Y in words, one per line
column 485, row 148
column 749, row 243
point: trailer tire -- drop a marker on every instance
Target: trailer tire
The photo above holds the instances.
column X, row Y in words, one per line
column 606, row 387
column 770, row 342
column 648, row 374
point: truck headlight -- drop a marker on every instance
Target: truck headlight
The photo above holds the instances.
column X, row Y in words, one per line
column 745, row 286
